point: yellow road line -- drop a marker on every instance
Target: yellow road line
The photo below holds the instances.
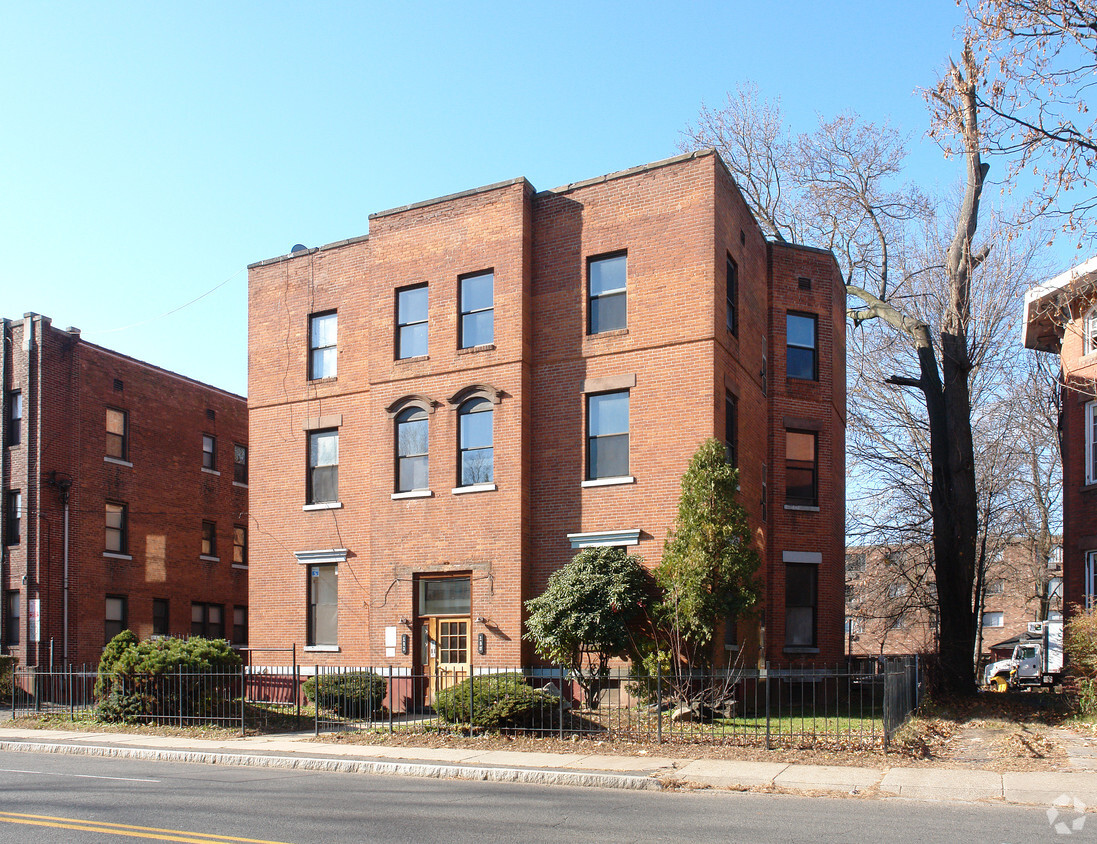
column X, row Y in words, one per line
column 152, row 832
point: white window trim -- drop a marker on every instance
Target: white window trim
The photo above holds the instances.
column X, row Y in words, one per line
column 111, row 555
column 237, row 483
column 327, row 649
column 624, row 479
column 604, row 538
column 321, row 556
column 209, row 558
column 326, row 505
column 999, row 613
column 414, row 493
column 1089, row 324
column 117, row 462
column 1091, row 411
column 1088, row 597
column 211, row 471
column 464, row 490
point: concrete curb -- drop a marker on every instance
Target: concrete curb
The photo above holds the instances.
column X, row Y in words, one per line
column 350, row 766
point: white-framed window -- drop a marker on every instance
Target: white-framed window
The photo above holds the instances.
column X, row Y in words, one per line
column 994, row 619
column 1089, row 331
column 607, row 435
column 477, row 305
column 476, row 452
column 607, row 293
column 1091, row 442
column 323, row 345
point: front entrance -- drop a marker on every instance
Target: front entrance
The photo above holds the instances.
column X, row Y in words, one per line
column 443, row 628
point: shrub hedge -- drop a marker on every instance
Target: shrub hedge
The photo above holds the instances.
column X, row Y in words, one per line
column 499, row 700
column 354, row 694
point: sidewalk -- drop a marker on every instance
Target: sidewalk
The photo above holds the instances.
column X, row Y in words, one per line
column 301, row 751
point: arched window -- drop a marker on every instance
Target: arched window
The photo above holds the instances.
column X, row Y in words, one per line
column 411, row 450
column 476, row 454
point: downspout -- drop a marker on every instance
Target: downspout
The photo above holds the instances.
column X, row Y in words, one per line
column 65, row 484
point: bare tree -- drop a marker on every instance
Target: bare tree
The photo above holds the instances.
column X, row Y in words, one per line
column 1040, row 60
column 862, row 208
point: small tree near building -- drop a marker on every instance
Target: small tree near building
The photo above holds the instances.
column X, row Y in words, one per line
column 583, row 618
column 708, row 575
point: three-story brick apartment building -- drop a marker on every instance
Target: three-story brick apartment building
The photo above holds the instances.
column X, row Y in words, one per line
column 445, row 411
column 1061, row 317
column 125, row 495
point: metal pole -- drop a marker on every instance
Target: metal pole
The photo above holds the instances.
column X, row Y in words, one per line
column 296, row 688
column 316, row 700
column 243, row 698
column 768, row 745
column 561, row 702
column 392, row 698
column 658, row 699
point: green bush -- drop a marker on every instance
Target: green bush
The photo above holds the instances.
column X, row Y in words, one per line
column 500, row 700
column 357, row 694
column 7, row 673
column 164, row 677
column 1080, row 645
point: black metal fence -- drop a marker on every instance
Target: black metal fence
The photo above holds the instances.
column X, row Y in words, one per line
column 770, row 707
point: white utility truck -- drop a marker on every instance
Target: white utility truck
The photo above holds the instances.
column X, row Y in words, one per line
column 1037, row 660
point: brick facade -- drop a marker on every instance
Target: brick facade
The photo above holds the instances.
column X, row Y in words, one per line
column 1055, row 320
column 677, row 223
column 64, row 387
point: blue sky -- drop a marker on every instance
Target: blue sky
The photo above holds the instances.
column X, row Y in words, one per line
column 150, row 151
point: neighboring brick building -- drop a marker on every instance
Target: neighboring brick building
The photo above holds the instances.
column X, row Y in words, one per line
column 154, row 469
column 442, row 413
column 1061, row 317
column 891, row 598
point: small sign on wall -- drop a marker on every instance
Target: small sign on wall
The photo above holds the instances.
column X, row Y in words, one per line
column 390, row 641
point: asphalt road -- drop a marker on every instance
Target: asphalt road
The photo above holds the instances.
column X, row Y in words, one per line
column 52, row 798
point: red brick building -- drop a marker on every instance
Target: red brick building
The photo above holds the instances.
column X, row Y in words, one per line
column 125, row 499
column 445, row 411
column 1061, row 317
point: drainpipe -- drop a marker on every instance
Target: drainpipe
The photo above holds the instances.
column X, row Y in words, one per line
column 63, row 482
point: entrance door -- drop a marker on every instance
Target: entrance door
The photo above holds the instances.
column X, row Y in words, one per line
column 444, row 609
column 445, row 652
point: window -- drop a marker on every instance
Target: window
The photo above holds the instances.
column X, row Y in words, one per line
column 856, row 562
column 239, row 625
column 323, row 479
column 1091, row 442
column 117, row 434
column 411, row 449
column 731, row 632
column 800, row 337
column 1089, row 332
column 240, row 545
column 448, row 596
column 607, row 435
column 209, row 539
column 898, row 589
column 115, row 621
column 477, row 310
column 801, row 475
column 160, row 617
column 733, row 296
column 1089, row 585
column 1055, row 589
column 117, row 541
column 324, row 605
column 209, row 452
column 476, row 454
column 801, row 586
column 15, row 418
column 607, row 286
column 898, row 622
column 323, row 352
column 240, row 463
column 11, row 619
column 731, row 429
column 411, row 322
column 994, row 619
column 14, row 514
column 207, row 620
column 996, row 587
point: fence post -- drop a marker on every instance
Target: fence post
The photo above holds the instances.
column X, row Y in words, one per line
column 243, row 698
column 72, row 711
column 392, row 699
column 472, row 697
column 561, row 702
column 768, row 745
column 316, row 701
column 658, row 699
column 37, row 691
column 296, row 688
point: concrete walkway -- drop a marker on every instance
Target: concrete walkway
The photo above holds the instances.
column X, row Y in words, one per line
column 301, row 751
